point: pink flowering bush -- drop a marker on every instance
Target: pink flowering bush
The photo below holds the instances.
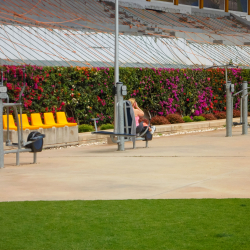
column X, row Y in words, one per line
column 84, row 93
column 71, row 119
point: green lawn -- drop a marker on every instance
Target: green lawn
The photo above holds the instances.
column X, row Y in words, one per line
column 131, row 224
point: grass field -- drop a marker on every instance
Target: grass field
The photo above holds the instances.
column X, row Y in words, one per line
column 130, row 224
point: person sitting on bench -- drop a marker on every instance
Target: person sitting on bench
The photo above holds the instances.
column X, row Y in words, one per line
column 139, row 113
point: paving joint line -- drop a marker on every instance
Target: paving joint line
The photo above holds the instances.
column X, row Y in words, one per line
column 188, row 185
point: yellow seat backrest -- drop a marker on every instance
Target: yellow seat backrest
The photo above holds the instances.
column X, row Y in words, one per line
column 24, row 120
column 49, row 118
column 36, row 119
column 11, row 121
column 61, row 117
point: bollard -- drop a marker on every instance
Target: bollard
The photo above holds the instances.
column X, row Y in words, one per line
column 120, row 115
column 244, row 108
column 229, row 111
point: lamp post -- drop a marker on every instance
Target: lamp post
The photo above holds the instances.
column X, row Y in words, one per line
column 116, row 60
column 119, row 115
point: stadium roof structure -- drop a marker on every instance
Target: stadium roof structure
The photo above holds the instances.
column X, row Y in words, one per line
column 81, row 33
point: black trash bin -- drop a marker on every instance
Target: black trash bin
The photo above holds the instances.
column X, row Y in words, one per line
column 37, row 141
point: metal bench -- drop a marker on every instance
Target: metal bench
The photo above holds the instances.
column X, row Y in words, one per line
column 111, row 134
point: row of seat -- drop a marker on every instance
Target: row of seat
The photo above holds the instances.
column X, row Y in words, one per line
column 37, row 123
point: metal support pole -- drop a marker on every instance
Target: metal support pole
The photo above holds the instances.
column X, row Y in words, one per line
column 229, row 111
column 232, row 107
column 241, row 109
column 20, row 108
column 1, row 135
column 18, row 136
column 8, row 123
column 116, row 62
column 17, row 158
column 244, row 108
column 95, row 126
column 34, row 158
column 1, row 127
column 120, row 115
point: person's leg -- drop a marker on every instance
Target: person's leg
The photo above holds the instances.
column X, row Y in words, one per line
column 150, row 129
column 145, row 125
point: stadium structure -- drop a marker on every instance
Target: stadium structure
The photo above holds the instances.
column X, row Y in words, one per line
column 163, row 34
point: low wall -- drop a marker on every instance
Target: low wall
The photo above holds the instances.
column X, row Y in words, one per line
column 173, row 128
column 162, row 129
column 53, row 136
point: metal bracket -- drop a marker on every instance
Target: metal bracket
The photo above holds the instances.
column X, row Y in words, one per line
column 232, row 88
column 95, row 119
column 3, row 89
column 124, row 90
column 3, row 96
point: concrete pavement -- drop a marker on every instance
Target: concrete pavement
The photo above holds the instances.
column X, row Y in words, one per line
column 200, row 165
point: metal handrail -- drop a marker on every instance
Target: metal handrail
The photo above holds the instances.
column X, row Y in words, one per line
column 240, row 91
column 11, row 104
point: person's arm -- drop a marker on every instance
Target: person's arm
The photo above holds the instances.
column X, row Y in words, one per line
column 138, row 111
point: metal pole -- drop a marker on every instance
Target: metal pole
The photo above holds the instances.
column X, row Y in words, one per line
column 8, row 122
column 244, row 108
column 120, row 115
column 229, row 108
column 232, row 107
column 34, row 158
column 241, row 109
column 1, row 135
column 20, row 108
column 18, row 136
column 8, row 113
column 1, row 128
column 116, row 61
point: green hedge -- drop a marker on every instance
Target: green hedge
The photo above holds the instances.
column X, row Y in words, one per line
column 87, row 92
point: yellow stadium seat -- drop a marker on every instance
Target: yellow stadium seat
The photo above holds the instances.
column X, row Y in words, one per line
column 12, row 125
column 37, row 121
column 49, row 120
column 26, row 124
column 61, row 119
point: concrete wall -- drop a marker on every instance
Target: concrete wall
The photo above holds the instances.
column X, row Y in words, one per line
column 53, row 135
